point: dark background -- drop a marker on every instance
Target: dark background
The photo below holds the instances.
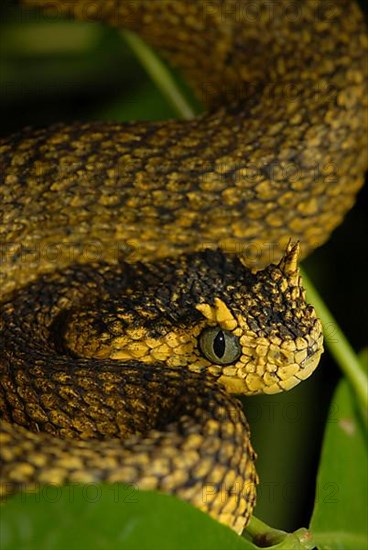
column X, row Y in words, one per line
column 53, row 70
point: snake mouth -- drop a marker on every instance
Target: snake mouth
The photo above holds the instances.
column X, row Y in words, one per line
column 234, row 385
column 268, row 381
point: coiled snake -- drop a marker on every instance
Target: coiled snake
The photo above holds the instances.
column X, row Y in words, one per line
column 129, row 312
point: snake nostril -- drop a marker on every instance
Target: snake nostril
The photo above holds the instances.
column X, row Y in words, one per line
column 311, row 349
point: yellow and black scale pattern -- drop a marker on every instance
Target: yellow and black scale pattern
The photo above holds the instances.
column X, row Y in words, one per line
column 121, row 367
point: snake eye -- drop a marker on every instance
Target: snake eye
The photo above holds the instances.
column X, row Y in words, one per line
column 219, row 346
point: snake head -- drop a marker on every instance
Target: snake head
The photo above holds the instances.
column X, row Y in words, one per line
column 273, row 335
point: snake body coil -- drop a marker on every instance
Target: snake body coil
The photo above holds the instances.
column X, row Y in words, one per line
column 117, row 370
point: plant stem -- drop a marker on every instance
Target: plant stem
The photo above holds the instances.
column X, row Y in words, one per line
column 261, row 532
column 267, row 537
column 339, row 346
column 159, row 74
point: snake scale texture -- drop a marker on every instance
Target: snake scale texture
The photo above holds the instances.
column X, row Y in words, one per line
column 144, row 278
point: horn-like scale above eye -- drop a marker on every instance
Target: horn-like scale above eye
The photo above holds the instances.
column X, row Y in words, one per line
column 219, row 346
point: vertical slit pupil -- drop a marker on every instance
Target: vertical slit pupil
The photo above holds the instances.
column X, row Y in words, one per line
column 219, row 344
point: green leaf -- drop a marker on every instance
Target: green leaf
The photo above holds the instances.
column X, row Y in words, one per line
column 109, row 517
column 340, row 519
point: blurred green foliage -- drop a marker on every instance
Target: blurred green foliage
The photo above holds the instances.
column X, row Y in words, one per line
column 107, row 518
column 340, row 514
